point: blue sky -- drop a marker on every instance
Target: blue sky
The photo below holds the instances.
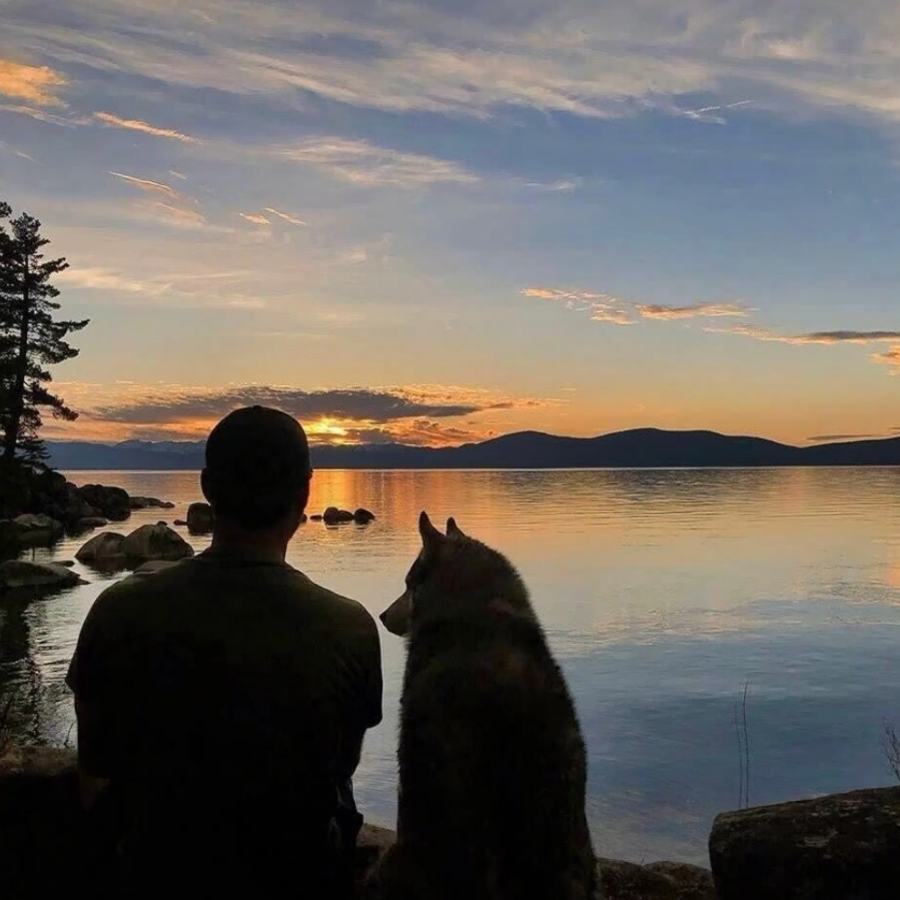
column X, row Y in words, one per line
column 548, row 215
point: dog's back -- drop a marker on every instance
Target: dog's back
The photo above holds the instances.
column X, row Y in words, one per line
column 492, row 762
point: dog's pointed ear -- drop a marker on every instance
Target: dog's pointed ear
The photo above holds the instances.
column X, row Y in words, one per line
column 430, row 535
column 453, row 530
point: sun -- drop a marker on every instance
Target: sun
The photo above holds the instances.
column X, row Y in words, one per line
column 329, row 429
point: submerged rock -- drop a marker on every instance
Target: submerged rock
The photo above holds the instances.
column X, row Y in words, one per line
column 150, row 503
column 840, row 847
column 200, row 518
column 156, row 542
column 16, row 574
column 93, row 522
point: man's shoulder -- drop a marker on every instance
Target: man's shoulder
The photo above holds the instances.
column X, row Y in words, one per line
column 342, row 606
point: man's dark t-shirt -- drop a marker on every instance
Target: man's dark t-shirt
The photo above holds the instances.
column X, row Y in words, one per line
column 227, row 700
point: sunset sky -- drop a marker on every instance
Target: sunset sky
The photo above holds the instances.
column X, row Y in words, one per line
column 436, row 221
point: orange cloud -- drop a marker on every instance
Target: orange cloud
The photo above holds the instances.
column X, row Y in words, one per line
column 696, row 310
column 255, row 218
column 112, row 121
column 285, row 216
column 33, row 84
column 144, row 184
column 890, row 358
column 426, row 415
column 601, row 313
column 607, row 308
column 829, row 338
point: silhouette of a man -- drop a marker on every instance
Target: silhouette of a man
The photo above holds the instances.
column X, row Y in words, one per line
column 222, row 702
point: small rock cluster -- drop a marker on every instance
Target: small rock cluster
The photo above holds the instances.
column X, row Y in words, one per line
column 335, row 516
column 149, row 542
column 200, row 517
column 109, row 551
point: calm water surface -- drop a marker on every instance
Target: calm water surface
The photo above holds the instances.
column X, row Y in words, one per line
column 662, row 593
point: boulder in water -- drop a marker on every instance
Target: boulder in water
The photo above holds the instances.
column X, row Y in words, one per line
column 104, row 549
column 16, row 574
column 111, row 502
column 335, row 516
column 200, row 518
column 93, row 522
column 37, row 528
column 363, row 516
column 156, row 542
column 150, row 503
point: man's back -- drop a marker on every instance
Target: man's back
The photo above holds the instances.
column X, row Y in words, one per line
column 227, row 700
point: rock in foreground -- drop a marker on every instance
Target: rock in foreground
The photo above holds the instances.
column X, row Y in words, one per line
column 18, row 574
column 840, row 847
column 41, row 827
column 657, row 881
column 156, row 542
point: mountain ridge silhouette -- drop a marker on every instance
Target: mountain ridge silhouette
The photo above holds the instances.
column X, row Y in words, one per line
column 633, row 448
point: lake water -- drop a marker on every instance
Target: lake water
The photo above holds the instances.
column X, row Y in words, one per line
column 662, row 593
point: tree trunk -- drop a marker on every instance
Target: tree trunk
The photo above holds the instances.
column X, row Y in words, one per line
column 17, row 394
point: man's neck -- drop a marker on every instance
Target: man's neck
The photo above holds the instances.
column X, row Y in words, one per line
column 250, row 547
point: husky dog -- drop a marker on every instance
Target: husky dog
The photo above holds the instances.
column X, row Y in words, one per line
column 492, row 761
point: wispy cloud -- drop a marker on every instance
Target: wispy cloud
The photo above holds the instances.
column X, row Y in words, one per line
column 285, row 216
column 615, row 310
column 145, row 184
column 812, row 337
column 103, row 279
column 890, row 358
column 175, row 215
column 598, row 60
column 255, row 218
column 707, row 113
column 561, row 186
column 368, row 165
column 32, row 84
column 177, row 210
column 600, row 313
column 694, row 311
column 111, row 121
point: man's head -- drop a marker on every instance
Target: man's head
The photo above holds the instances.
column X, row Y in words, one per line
column 257, row 470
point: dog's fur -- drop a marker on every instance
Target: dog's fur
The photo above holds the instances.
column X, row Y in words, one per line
column 492, row 761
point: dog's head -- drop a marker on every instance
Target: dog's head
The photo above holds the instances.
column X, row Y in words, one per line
column 454, row 569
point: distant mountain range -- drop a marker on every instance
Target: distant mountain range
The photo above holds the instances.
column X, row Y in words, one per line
column 639, row 448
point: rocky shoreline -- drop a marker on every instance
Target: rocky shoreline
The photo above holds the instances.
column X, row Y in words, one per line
column 838, row 847
column 39, row 508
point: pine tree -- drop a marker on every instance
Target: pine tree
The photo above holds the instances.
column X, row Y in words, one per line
column 30, row 338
